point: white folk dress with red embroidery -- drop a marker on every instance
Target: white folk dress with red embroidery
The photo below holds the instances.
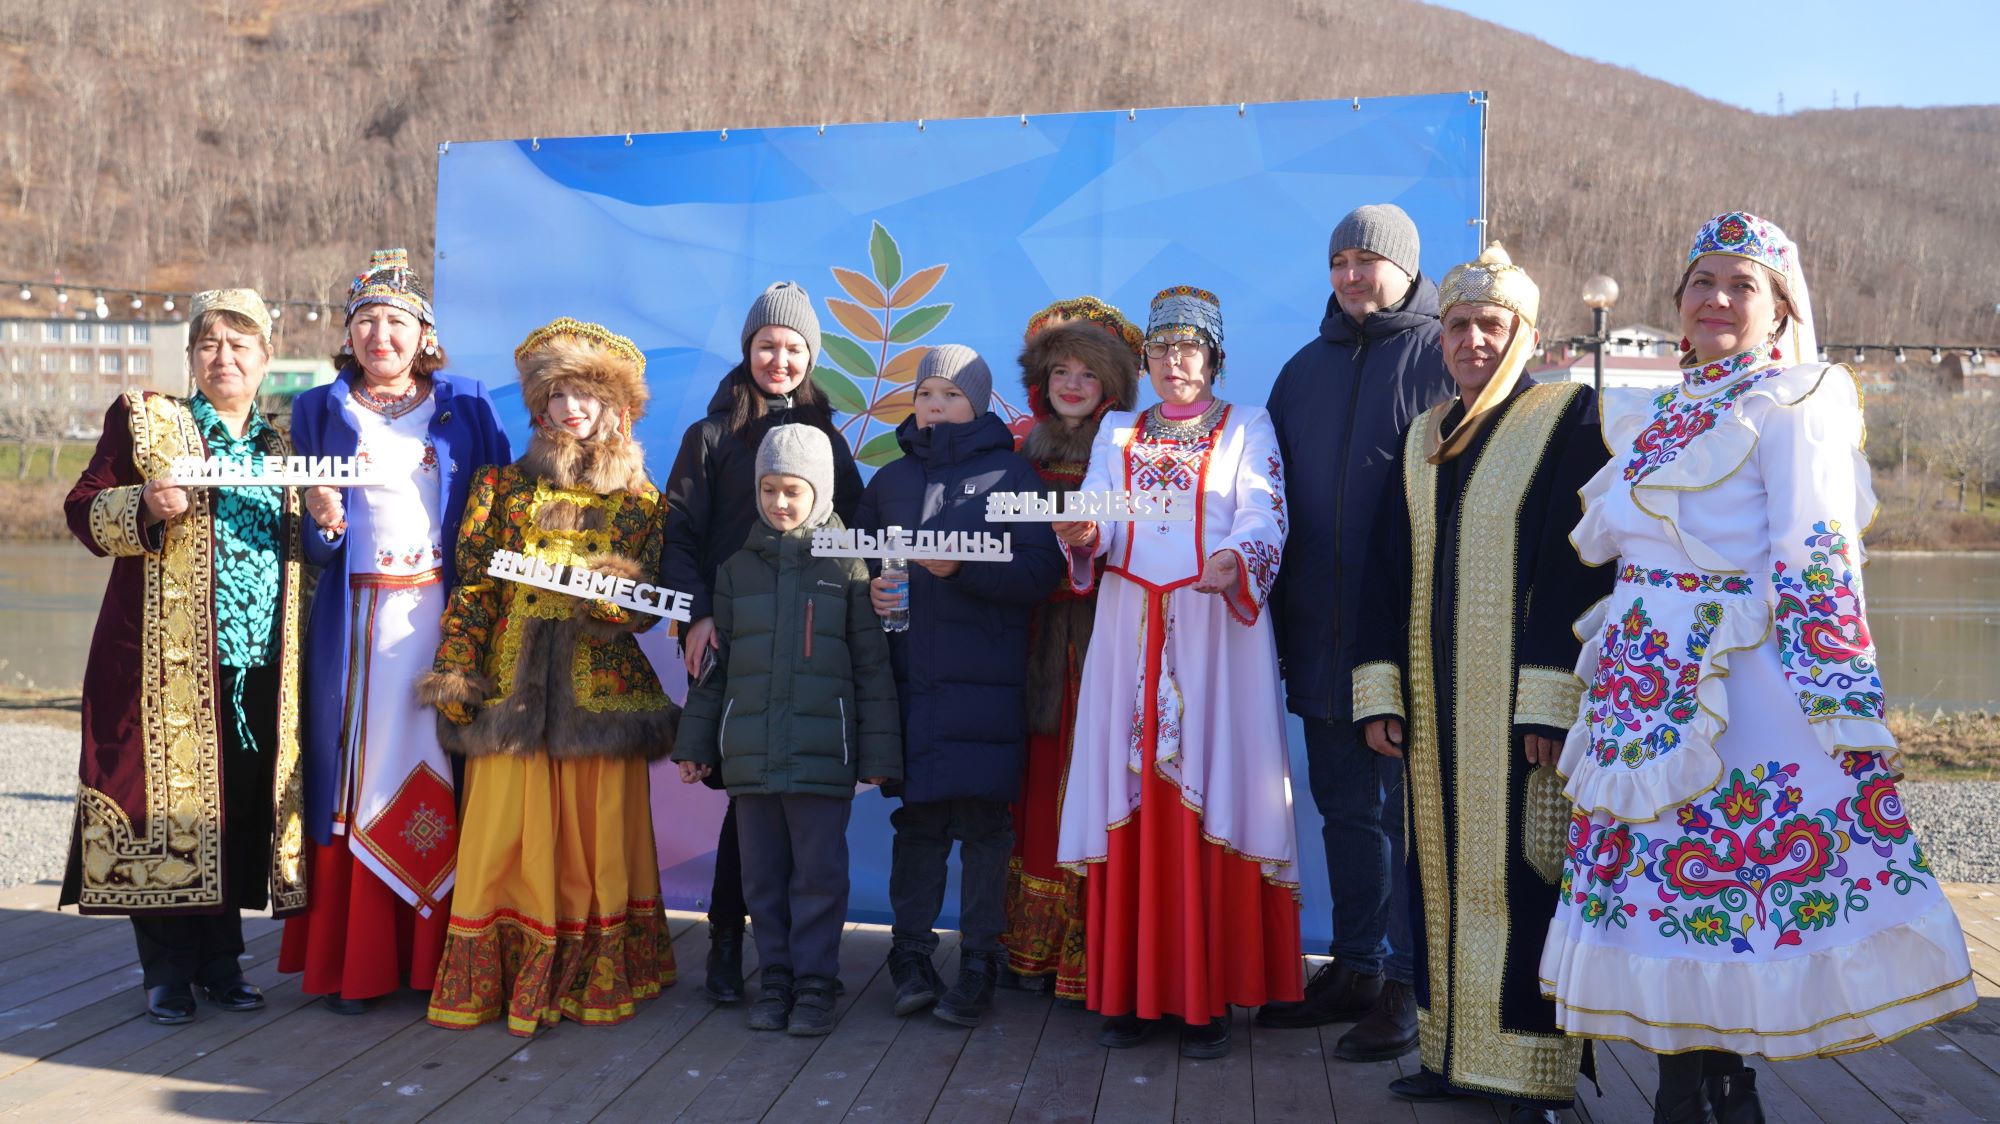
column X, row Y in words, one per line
column 395, row 801
column 1740, row 874
column 1213, row 679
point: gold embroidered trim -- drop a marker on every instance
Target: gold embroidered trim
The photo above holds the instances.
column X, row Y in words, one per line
column 288, row 831
column 1466, row 981
column 1545, row 823
column 1547, row 696
column 1378, row 690
column 114, row 520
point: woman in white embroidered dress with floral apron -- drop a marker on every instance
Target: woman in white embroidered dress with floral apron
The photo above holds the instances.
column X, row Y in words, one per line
column 1741, row 878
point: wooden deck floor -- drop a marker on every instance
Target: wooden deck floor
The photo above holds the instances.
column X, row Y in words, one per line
column 74, row 1048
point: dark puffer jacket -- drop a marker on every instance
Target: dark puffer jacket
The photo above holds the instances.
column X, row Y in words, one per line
column 711, row 493
column 961, row 668
column 1337, row 406
column 801, row 701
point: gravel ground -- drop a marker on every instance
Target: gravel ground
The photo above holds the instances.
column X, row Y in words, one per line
column 1959, row 822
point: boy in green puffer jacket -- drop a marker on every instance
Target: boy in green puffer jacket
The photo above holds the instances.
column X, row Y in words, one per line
column 799, row 704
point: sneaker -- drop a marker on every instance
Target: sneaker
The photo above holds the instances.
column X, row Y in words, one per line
column 773, row 1008
column 916, row 979
column 1336, row 993
column 973, row 993
column 812, row 1007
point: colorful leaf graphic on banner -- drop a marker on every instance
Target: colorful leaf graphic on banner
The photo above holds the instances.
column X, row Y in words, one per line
column 867, row 372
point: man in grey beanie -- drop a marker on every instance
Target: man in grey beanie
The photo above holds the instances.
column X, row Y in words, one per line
column 961, row 366
column 1339, row 406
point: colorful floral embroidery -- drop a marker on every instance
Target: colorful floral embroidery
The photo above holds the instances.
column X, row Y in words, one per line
column 1260, row 560
column 1643, row 695
column 1823, row 640
column 1680, row 418
column 1722, row 370
column 1759, row 876
column 1695, row 582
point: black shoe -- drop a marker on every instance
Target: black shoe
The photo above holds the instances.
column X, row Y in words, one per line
column 725, row 964
column 170, row 1004
column 1122, row 1032
column 1388, row 1030
column 341, row 1005
column 1335, row 993
column 916, row 978
column 1204, row 1041
column 812, row 1007
column 1423, row 1087
column 1733, row 1097
column 1529, row 1114
column 1682, row 1097
column 973, row 993
column 237, row 995
column 773, row 1008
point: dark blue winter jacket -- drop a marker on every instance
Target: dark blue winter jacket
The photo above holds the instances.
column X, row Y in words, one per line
column 1338, row 405
column 962, row 665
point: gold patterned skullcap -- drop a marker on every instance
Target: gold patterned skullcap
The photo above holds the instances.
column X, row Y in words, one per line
column 1492, row 278
column 243, row 302
column 596, row 333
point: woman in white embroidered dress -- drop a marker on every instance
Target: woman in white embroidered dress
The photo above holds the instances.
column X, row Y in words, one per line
column 1741, row 878
column 1178, row 807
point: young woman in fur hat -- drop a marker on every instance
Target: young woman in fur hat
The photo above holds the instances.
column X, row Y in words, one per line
column 557, row 908
column 1080, row 362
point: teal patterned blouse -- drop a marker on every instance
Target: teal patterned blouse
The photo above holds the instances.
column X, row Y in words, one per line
column 247, row 554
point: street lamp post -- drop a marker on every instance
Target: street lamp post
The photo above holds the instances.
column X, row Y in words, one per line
column 1600, row 293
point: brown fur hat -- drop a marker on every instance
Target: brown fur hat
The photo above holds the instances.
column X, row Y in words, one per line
column 608, row 366
column 1115, row 365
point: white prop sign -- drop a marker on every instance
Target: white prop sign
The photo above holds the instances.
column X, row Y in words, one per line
column 577, row 581
column 928, row 546
column 274, row 472
column 1113, row 507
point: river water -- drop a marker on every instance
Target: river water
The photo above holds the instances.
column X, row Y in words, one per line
column 1936, row 619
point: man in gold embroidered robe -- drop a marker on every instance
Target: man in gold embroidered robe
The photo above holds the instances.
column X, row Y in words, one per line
column 189, row 806
column 1464, row 667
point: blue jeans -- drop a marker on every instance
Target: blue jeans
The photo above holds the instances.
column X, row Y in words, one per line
column 984, row 831
column 1360, row 795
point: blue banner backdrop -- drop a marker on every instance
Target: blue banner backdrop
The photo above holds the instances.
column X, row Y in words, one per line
column 918, row 233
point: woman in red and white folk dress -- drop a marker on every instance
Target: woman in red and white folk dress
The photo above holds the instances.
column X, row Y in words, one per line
column 1178, row 806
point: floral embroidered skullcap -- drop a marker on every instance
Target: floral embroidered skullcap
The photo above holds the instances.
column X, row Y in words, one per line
column 390, row 280
column 1492, row 278
column 244, row 302
column 1182, row 311
column 1088, row 310
column 597, row 334
column 1744, row 235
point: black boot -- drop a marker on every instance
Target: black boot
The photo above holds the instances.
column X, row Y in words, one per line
column 917, row 982
column 1388, row 1030
column 725, row 964
column 1681, row 1099
column 973, row 993
column 1336, row 993
column 1731, row 1086
column 773, row 1009
column 170, row 1004
column 812, row 1007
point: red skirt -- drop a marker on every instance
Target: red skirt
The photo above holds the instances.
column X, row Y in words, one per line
column 1177, row 925
column 357, row 939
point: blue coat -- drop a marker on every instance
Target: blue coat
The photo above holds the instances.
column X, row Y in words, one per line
column 1338, row 406
column 962, row 667
column 467, row 436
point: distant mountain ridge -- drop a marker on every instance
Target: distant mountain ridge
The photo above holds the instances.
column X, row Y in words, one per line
column 179, row 145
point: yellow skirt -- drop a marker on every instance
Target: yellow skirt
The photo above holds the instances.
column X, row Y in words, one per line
column 556, row 912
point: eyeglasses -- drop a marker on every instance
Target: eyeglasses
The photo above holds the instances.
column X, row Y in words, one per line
column 1179, row 349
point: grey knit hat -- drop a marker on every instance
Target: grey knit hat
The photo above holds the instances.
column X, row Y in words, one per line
column 1379, row 228
column 805, row 452
column 786, row 305
column 961, row 366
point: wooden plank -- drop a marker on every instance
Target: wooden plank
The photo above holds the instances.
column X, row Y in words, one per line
column 1976, row 1032
column 1067, row 1073
column 1139, row 1084
column 1360, row 1090
column 1968, row 1081
column 1465, row 1110
column 986, row 1084
column 420, row 1068
column 1221, row 1088
column 1627, row 1079
column 1289, row 1071
column 31, row 895
column 1782, row 1103
column 245, row 1078
column 27, row 930
column 904, row 1082
column 1833, row 1093
column 1907, row 1090
column 48, row 970
column 843, row 1065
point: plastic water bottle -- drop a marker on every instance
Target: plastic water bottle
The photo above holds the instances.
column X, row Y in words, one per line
column 897, row 572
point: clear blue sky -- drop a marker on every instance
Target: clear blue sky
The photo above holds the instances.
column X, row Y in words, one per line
column 1746, row 53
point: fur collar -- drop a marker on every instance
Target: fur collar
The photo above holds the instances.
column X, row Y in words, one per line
column 600, row 464
column 1052, row 442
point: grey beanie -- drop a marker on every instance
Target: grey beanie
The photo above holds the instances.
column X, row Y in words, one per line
column 962, row 367
column 786, row 305
column 1379, row 228
column 805, row 452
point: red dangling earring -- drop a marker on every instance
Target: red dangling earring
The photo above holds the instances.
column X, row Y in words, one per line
column 1776, row 352
column 1686, row 345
